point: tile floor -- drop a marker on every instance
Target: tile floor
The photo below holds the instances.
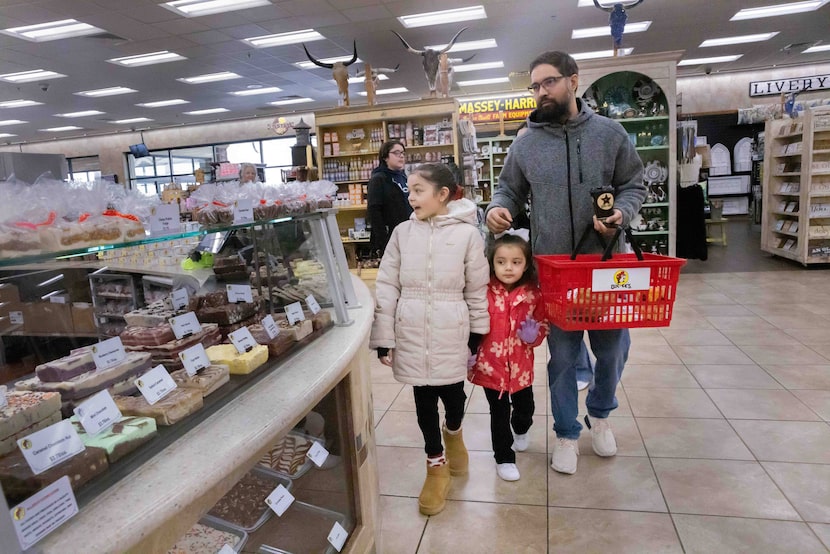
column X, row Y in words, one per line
column 723, row 431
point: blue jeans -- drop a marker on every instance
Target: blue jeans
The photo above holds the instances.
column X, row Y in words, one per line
column 584, row 367
column 610, row 348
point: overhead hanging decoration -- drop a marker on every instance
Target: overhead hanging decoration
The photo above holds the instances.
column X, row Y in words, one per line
column 372, row 75
column 431, row 59
column 617, row 19
column 339, row 72
column 445, row 72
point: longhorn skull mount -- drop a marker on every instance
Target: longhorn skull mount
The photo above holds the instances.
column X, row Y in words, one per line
column 431, row 59
column 617, row 19
column 372, row 75
column 446, row 73
column 339, row 72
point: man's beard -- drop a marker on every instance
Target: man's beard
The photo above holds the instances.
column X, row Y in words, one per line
column 553, row 111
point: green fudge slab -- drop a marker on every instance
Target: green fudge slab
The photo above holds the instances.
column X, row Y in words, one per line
column 120, row 439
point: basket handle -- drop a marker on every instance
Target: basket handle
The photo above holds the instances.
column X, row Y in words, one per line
column 609, row 248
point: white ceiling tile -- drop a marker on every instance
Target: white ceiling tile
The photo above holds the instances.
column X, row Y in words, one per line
column 181, row 26
column 367, row 13
column 209, row 37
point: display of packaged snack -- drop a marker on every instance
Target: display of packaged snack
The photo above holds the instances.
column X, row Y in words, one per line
column 239, row 364
column 205, row 381
column 175, row 406
column 120, row 439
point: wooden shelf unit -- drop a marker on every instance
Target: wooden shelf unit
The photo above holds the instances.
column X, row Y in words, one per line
column 492, row 152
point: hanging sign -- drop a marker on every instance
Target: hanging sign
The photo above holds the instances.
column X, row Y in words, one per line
column 484, row 110
column 786, row 86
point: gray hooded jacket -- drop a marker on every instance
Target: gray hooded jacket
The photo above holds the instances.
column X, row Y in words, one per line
column 557, row 166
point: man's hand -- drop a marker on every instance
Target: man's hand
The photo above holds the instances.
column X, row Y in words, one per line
column 387, row 360
column 616, row 219
column 499, row 220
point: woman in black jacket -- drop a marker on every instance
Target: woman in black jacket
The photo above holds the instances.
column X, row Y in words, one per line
column 388, row 202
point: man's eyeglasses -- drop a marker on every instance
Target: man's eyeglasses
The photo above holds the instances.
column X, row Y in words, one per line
column 547, row 84
column 397, row 152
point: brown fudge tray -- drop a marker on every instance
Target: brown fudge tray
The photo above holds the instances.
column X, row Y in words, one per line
column 177, row 405
column 302, row 528
column 244, row 505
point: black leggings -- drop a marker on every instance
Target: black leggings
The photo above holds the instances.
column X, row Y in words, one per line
column 501, row 420
column 426, row 406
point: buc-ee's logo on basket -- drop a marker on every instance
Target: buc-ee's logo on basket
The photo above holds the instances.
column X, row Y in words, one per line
column 621, row 280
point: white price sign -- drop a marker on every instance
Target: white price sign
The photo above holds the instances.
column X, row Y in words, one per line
column 57, row 299
column 185, row 325
column 98, row 413
column 317, row 454
column 226, row 549
column 243, row 340
column 279, row 500
column 243, row 211
column 239, row 293
column 194, row 359
column 294, row 313
column 3, row 400
column 155, row 384
column 271, row 327
column 165, row 219
column 337, row 536
column 49, row 447
column 108, row 353
column 16, row 318
column 312, row 304
column 43, row 512
column 179, row 298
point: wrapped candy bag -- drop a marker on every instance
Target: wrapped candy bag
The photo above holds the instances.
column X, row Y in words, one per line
column 320, row 194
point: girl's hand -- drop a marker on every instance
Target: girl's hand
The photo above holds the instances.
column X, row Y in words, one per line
column 387, row 360
column 528, row 330
column 471, row 361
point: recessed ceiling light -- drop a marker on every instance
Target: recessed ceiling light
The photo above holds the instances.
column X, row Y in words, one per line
column 713, row 59
column 396, row 90
column 11, row 122
column 19, row 103
column 760, row 37
column 207, row 111
column 467, row 46
column 308, row 64
column 605, row 30
column 85, row 113
column 291, row 101
column 209, row 78
column 462, row 67
column 162, row 56
column 54, row 30
column 601, row 54
column 58, row 129
column 444, row 16
column 356, row 80
column 818, row 48
column 4, row 135
column 111, row 91
column 29, row 76
column 778, row 9
column 196, row 8
column 255, row 91
column 476, row 82
column 281, row 39
column 131, row 120
column 162, row 103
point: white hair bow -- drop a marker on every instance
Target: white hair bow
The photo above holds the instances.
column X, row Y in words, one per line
column 521, row 233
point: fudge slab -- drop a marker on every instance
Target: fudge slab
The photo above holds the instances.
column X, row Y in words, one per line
column 239, row 364
column 205, row 381
column 26, row 408
column 120, row 439
column 147, row 336
column 9, row 444
column 276, row 346
column 201, row 539
column 65, row 368
column 178, row 404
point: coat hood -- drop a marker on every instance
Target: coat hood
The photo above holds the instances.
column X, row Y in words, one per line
column 460, row 211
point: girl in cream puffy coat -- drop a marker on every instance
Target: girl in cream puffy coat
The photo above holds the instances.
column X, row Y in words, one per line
column 431, row 311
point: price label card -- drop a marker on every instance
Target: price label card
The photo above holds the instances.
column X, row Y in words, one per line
column 194, row 359
column 239, row 293
column 16, row 318
column 294, row 313
column 271, row 327
column 43, row 512
column 108, row 353
column 179, row 297
column 243, row 340
column 243, row 211
column 227, row 549
column 317, row 454
column 3, row 400
column 337, row 536
column 49, row 447
column 312, row 304
column 155, row 384
column 165, row 219
column 279, row 500
column 185, row 325
column 98, row 413
column 57, row 299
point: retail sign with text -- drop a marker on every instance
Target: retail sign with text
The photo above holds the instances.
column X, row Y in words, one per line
column 485, row 110
column 786, row 86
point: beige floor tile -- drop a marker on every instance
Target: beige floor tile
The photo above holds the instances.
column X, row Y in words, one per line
column 770, row 309
column 695, row 337
column 610, row 531
column 739, row 322
column 783, row 354
column 761, row 404
column 730, row 535
column 722, row 488
column 823, row 350
column 822, row 530
column 478, row 401
column 658, row 377
column 786, row 441
column 474, row 527
column 629, row 442
column 798, row 321
column 401, row 471
column 807, row 486
column 646, row 337
column 742, row 337
column 733, row 377
column 380, row 372
column 477, row 432
column 399, row 429
column 378, row 415
column 816, row 400
column 817, row 335
column 689, row 403
column 540, row 374
column 685, row 320
column 405, row 401
column 384, row 394
column 653, row 354
column 732, row 310
column 708, row 298
column 801, row 376
column 712, row 355
column 484, row 485
column 401, row 525
column 692, row 438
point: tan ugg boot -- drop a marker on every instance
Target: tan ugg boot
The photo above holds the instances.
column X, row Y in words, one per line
column 433, row 496
column 456, row 452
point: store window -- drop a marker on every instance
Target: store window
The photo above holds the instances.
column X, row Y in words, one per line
column 87, row 169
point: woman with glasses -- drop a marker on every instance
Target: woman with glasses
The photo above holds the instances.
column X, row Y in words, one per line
column 388, row 202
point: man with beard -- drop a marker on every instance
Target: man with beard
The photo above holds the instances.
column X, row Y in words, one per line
column 568, row 151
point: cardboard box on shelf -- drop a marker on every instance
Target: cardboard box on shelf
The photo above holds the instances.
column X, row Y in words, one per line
column 83, row 318
column 9, row 293
column 45, row 317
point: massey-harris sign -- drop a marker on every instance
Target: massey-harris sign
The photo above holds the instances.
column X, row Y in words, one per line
column 486, row 110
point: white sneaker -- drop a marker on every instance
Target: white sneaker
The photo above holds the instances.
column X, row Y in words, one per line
column 564, row 456
column 582, row 385
column 508, row 472
column 521, row 442
column 602, row 437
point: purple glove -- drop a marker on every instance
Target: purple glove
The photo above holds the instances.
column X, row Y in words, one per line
column 528, row 330
column 471, row 361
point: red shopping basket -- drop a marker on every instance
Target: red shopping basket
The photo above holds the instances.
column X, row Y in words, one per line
column 595, row 291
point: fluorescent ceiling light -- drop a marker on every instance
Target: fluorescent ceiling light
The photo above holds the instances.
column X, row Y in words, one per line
column 255, row 91
column 713, row 59
column 19, row 103
column 54, row 30
column 778, row 9
column 3, row 135
column 281, row 39
column 11, row 122
column 29, row 76
column 476, row 82
column 601, row 54
column 291, row 101
column 85, row 113
column 308, row 64
column 467, row 46
column 111, row 91
column 462, row 67
column 162, row 56
column 163, row 103
column 131, row 120
column 196, row 8
column 58, row 129
column 818, row 48
column 356, row 80
column 760, row 37
column 605, row 30
column 207, row 111
column 397, row 90
column 209, row 78
column 444, row 16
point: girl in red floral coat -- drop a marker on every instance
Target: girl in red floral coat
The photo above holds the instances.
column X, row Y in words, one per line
column 503, row 364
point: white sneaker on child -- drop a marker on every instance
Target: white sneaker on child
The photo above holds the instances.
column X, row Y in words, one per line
column 564, row 456
column 520, row 442
column 508, row 472
column 602, row 437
